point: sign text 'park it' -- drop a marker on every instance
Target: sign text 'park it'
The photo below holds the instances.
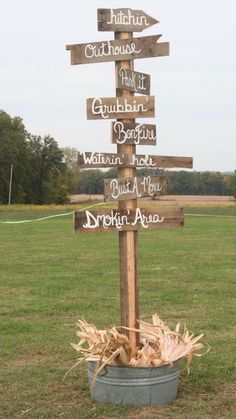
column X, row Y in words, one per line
column 133, row 81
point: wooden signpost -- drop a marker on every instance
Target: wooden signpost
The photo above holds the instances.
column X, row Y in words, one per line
column 128, row 218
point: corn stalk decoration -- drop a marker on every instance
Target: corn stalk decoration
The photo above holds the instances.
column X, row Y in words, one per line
column 159, row 345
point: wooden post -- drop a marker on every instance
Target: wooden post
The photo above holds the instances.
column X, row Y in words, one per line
column 10, row 185
column 129, row 297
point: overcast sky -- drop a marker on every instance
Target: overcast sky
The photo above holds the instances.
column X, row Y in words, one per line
column 195, row 87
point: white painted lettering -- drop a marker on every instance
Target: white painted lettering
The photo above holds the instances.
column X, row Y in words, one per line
column 101, row 159
column 129, row 17
column 144, row 220
column 114, row 219
column 140, row 133
column 117, row 220
column 134, row 188
column 151, row 187
column 107, row 49
column 99, row 108
column 142, row 161
column 135, row 81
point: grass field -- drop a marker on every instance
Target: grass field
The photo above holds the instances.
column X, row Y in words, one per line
column 49, row 278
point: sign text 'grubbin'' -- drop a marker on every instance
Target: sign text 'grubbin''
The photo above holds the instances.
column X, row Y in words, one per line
column 121, row 107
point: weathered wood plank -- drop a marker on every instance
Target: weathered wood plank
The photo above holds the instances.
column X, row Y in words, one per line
column 133, row 81
column 128, row 240
column 118, row 50
column 128, row 219
column 162, row 49
column 164, row 162
column 121, row 107
column 97, row 160
column 129, row 290
column 122, row 189
column 124, row 20
column 131, row 133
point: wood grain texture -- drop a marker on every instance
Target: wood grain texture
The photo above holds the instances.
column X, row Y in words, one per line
column 121, row 107
column 118, row 50
column 133, row 188
column 128, row 240
column 123, row 20
column 162, row 49
column 133, row 81
column 105, row 160
column 129, row 289
column 127, row 220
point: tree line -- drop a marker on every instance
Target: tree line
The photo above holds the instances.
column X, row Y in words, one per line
column 178, row 182
column 44, row 173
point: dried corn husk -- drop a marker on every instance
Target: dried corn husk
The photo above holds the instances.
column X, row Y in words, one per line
column 159, row 345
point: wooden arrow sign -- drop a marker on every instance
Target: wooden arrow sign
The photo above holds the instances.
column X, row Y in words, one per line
column 118, row 50
column 122, row 189
column 121, row 107
column 124, row 20
column 126, row 220
column 133, row 81
column 104, row 160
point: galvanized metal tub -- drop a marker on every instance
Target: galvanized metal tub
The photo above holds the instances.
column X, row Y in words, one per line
column 146, row 386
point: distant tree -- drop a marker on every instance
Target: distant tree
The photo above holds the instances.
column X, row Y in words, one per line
column 13, row 151
column 39, row 169
column 111, row 174
column 91, row 182
column 218, row 183
column 47, row 174
column 197, row 183
column 232, row 184
column 72, row 172
column 212, row 183
column 179, row 183
column 226, row 180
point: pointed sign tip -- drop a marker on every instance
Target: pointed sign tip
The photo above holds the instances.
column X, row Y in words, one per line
column 124, row 20
column 154, row 21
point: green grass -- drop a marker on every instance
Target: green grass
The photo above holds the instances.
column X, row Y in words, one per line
column 49, row 278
